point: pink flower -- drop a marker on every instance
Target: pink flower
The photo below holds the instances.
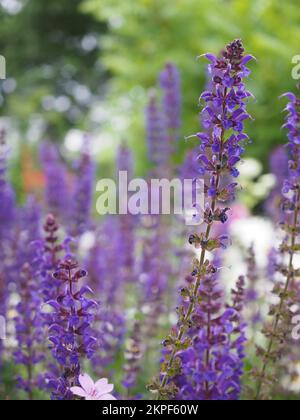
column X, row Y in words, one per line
column 93, row 391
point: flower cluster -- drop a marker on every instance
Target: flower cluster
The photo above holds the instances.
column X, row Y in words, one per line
column 213, row 365
column 70, row 330
column 221, row 146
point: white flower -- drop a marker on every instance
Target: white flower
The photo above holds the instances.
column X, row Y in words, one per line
column 93, row 391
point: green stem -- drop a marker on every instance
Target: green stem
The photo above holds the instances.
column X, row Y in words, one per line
column 195, row 291
column 290, row 276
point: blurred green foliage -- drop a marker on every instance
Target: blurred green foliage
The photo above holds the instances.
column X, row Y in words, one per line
column 53, row 68
column 68, row 57
column 144, row 34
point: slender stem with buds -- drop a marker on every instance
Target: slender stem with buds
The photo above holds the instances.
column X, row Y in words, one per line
column 192, row 304
column 289, row 278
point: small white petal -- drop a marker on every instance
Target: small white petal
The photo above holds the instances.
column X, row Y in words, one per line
column 107, row 397
column 105, row 389
column 78, row 391
column 86, row 382
column 102, row 382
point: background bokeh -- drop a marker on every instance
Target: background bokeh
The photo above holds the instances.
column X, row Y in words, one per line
column 87, row 65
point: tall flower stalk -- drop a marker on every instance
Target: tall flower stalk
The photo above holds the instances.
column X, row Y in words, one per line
column 56, row 178
column 126, row 224
column 29, row 331
column 70, row 332
column 159, row 149
column 83, row 195
column 170, row 84
column 280, row 330
column 223, row 119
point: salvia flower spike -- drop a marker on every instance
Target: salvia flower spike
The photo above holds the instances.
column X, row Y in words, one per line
column 280, row 330
column 70, row 331
column 29, row 331
column 221, row 146
column 170, row 84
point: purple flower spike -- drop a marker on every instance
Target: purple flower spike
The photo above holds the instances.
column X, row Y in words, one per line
column 200, row 358
column 70, row 331
column 57, row 193
column 29, row 331
column 171, row 86
column 287, row 290
column 83, row 195
column 157, row 137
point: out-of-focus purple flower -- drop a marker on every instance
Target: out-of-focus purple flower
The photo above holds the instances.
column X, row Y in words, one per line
column 279, row 163
column 82, row 199
column 213, row 365
column 29, row 231
column 57, row 191
column 125, row 160
column 155, row 272
column 7, row 220
column 126, row 223
column 7, row 195
column 252, row 296
column 29, row 330
column 274, row 262
column 279, row 332
column 70, row 332
column 109, row 286
column 170, row 84
column 157, row 137
column 133, row 356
